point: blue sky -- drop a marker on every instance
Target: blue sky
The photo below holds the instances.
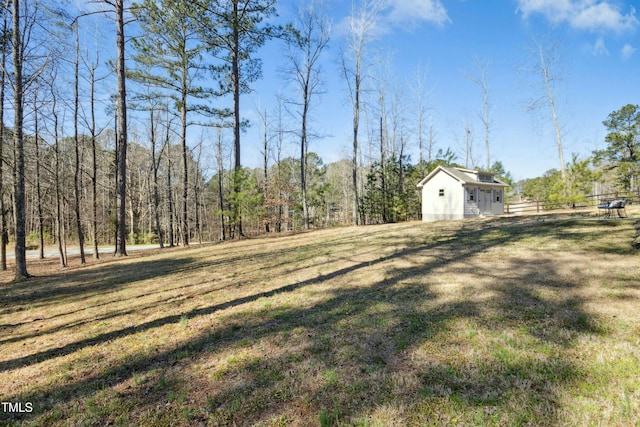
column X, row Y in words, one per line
column 598, row 70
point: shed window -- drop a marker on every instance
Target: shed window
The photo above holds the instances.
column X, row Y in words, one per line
column 441, row 192
column 485, row 178
column 471, row 192
column 498, row 195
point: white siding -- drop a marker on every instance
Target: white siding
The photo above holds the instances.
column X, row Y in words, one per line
column 448, row 206
column 497, row 207
column 446, row 195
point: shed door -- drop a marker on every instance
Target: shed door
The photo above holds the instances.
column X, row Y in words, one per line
column 484, row 202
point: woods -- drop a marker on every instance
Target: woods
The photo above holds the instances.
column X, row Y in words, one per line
column 142, row 144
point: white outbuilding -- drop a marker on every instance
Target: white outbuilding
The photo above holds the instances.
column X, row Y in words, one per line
column 457, row 193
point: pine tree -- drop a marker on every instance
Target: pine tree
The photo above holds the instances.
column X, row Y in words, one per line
column 234, row 30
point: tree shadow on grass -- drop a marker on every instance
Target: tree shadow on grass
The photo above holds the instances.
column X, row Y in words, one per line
column 362, row 349
column 78, row 285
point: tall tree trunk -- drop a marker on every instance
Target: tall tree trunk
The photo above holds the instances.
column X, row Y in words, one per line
column 303, row 157
column 122, row 129
column 196, row 196
column 546, row 57
column 116, row 173
column 156, row 195
column 482, row 80
column 280, row 141
column 356, row 123
column 38, row 189
column 556, row 125
column 170, row 195
column 185, row 173
column 56, row 170
column 304, row 55
column 235, row 70
column 361, row 33
column 265, row 167
column 220, row 186
column 383, row 167
column 94, row 163
column 196, row 199
column 468, row 146
column 76, row 174
column 3, row 213
column 401, row 178
column 19, row 211
column 420, row 91
column 59, row 225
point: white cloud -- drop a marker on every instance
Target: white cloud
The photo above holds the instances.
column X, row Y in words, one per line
column 599, row 48
column 627, row 51
column 604, row 16
column 588, row 15
column 383, row 16
column 554, row 10
column 418, row 11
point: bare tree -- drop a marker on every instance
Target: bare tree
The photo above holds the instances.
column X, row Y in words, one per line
column 264, row 119
column 90, row 123
column 18, row 144
column 148, row 99
column 155, row 165
column 431, row 141
column 362, row 27
column 279, row 142
column 482, row 80
column 197, row 186
column 400, row 136
column 76, row 140
column 3, row 79
column 383, row 82
column 220, row 164
column 118, row 8
column 58, row 219
column 304, row 55
column 94, row 158
column 170, row 203
column 36, row 138
column 382, row 159
column 30, row 53
column 468, row 137
column 121, row 127
column 422, row 108
column 546, row 58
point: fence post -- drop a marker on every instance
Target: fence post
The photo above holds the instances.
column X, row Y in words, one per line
column 537, row 206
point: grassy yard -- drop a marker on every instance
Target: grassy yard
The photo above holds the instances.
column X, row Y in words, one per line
column 504, row 321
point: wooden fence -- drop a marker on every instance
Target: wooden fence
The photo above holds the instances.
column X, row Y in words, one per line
column 592, row 201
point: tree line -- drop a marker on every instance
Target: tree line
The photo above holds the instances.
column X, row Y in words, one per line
column 77, row 167
column 124, row 170
column 176, row 46
column 611, row 172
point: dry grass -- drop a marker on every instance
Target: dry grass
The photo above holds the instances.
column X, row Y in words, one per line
column 509, row 321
